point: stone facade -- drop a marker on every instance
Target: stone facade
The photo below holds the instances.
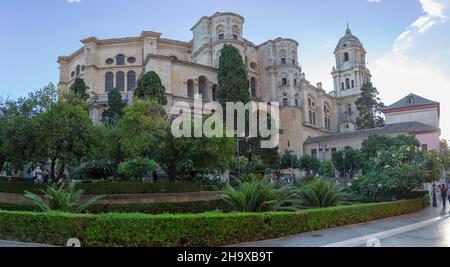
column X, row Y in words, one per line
column 190, row 68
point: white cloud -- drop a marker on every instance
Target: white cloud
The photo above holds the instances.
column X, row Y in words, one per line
column 374, row 1
column 416, row 62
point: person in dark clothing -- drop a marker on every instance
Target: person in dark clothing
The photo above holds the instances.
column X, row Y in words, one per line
column 444, row 195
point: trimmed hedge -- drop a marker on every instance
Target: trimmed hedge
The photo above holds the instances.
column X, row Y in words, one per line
column 209, row 229
column 150, row 208
column 108, row 188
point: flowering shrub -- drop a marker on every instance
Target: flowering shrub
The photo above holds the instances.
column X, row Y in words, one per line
column 396, row 172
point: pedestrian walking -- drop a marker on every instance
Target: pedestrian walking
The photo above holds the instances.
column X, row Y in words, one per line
column 444, row 195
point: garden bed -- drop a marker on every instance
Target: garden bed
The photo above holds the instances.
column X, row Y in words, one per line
column 207, row 229
column 109, row 188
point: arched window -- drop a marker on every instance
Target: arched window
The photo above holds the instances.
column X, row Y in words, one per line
column 120, row 60
column 214, row 93
column 346, row 57
column 347, row 83
column 253, row 85
column 131, row 80
column 190, row 88
column 120, row 80
column 78, row 70
column 109, row 81
column 327, row 113
column 202, row 86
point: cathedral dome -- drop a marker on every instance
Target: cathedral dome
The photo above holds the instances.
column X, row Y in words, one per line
column 349, row 40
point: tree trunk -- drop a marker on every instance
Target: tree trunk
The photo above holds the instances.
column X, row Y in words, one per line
column 2, row 163
column 61, row 171
column 173, row 173
column 52, row 171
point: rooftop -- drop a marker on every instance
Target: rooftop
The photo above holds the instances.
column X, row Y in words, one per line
column 398, row 128
column 411, row 100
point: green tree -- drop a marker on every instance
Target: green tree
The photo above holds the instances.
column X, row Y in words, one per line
column 149, row 86
column 143, row 124
column 349, row 161
column 234, row 87
column 327, row 169
column 372, row 146
column 116, row 105
column 17, row 133
column 233, row 78
column 370, row 108
column 444, row 157
column 310, row 165
column 287, row 161
column 79, row 87
column 64, row 133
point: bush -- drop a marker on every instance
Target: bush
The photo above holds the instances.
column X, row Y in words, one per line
column 320, row 194
column 109, row 188
column 61, row 198
column 259, row 196
column 136, row 169
column 95, row 170
column 213, row 229
column 146, row 208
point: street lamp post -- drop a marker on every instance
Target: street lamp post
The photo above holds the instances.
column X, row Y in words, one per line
column 344, row 157
column 292, row 151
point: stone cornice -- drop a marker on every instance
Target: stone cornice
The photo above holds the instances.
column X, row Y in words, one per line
column 180, row 62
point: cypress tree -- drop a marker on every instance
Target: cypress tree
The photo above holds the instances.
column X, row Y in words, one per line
column 79, row 87
column 149, row 86
column 370, row 108
column 115, row 106
column 233, row 79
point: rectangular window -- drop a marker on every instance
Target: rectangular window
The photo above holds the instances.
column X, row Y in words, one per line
column 296, row 102
column 283, row 61
column 235, row 37
column 424, row 148
column 285, row 102
column 284, row 81
column 314, row 153
column 293, row 62
column 221, row 36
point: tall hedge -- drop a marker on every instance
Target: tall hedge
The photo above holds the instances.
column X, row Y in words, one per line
column 210, row 229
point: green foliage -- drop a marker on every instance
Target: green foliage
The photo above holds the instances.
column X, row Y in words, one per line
column 327, row 169
column 259, row 196
column 63, row 198
column 141, row 126
column 149, row 87
column 109, row 188
column 146, row 208
column 444, row 156
column 17, row 134
column 377, row 143
column 79, row 87
column 350, row 161
column 397, row 172
column 310, row 165
column 64, row 133
column 95, row 170
column 233, row 78
column 137, row 168
column 116, row 105
column 320, row 194
column 370, row 108
column 194, row 230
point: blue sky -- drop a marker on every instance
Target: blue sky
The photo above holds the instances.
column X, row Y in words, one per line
column 408, row 41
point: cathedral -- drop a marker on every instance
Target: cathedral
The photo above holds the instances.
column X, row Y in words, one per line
column 312, row 120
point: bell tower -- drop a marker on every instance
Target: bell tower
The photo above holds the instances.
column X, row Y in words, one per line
column 349, row 75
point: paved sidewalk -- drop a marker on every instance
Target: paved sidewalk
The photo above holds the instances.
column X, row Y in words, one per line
column 13, row 244
column 428, row 228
